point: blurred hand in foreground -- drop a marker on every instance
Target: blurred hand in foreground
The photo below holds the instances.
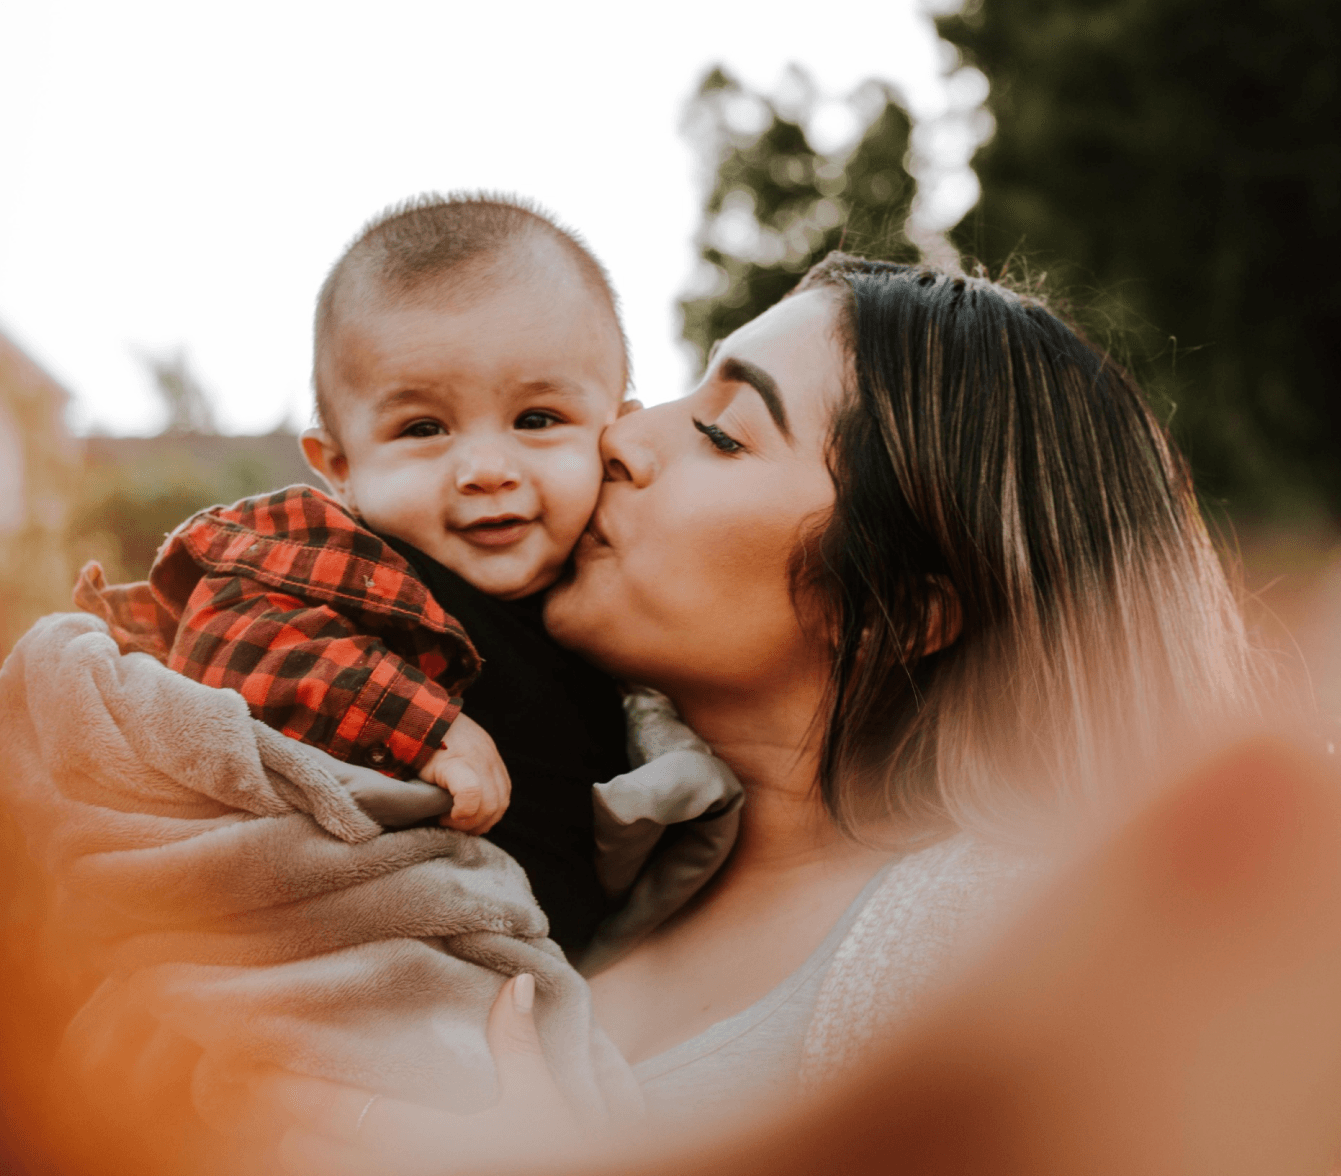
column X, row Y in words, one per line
column 1171, row 1005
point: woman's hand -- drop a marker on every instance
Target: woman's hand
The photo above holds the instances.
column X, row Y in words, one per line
column 342, row 1131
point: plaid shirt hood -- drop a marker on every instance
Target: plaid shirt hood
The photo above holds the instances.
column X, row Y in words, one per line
column 299, row 547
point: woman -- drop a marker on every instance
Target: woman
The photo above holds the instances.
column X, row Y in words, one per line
column 919, row 563
column 912, row 555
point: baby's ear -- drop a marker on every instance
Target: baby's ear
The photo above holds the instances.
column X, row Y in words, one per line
column 628, row 406
column 325, row 457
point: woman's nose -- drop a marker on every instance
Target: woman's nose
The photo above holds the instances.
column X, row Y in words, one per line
column 627, row 450
column 486, row 469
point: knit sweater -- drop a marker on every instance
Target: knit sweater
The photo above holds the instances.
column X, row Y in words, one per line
column 932, row 908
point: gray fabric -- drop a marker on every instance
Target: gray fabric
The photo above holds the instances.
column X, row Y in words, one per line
column 662, row 829
column 393, row 804
column 753, row 1055
column 228, row 903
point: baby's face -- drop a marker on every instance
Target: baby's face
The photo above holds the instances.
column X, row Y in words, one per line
column 469, row 425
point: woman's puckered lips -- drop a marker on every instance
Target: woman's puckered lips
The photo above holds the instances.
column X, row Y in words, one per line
column 595, row 533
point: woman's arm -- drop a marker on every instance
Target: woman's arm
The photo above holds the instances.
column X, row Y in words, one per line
column 1168, row 1006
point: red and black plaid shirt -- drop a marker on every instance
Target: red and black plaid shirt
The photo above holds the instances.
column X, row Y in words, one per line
column 326, row 632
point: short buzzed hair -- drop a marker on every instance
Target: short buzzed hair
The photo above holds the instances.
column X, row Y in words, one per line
column 420, row 241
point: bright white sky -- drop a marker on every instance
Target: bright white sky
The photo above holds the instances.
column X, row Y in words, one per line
column 181, row 175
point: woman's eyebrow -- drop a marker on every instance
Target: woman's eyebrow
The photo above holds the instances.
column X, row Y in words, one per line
column 740, row 371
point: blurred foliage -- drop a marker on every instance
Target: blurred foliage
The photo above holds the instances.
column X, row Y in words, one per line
column 39, row 466
column 134, row 490
column 110, row 498
column 777, row 205
column 1173, row 165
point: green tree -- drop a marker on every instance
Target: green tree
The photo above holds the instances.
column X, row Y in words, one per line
column 1172, row 164
column 777, row 205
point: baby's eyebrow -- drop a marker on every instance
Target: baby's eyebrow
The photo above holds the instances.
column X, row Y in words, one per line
column 557, row 388
column 548, row 385
column 394, row 399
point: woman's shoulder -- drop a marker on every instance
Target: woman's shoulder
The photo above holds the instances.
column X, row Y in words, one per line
column 931, row 905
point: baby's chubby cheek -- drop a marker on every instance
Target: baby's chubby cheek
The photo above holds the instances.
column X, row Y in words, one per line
column 394, row 501
column 570, row 486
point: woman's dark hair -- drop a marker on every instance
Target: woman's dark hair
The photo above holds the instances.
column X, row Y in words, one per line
column 1021, row 589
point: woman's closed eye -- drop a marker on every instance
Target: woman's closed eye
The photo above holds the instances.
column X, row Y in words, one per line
column 721, row 441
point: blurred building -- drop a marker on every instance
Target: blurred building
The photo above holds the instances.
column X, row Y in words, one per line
column 134, row 490
column 66, row 500
column 39, row 473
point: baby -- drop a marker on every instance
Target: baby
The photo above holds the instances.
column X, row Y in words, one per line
column 468, row 354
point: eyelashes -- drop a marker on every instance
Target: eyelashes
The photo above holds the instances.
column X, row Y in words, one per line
column 422, row 428
column 538, row 419
column 723, row 442
column 532, row 421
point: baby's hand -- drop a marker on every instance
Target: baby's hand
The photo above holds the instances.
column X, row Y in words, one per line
column 470, row 768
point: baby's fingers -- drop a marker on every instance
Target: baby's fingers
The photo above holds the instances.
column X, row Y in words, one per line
column 471, row 810
column 496, row 794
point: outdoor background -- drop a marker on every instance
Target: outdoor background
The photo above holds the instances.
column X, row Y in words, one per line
column 176, row 179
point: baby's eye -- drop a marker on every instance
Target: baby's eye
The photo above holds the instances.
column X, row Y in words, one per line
column 536, row 419
column 422, row 429
column 720, row 440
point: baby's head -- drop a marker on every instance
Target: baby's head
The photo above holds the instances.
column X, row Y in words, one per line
column 468, row 354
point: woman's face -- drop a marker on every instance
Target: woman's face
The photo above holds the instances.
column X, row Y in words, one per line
column 682, row 580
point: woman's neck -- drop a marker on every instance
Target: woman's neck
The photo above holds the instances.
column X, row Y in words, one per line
column 772, row 745
column 788, row 880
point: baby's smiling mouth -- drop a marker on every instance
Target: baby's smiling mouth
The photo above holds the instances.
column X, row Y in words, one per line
column 494, row 530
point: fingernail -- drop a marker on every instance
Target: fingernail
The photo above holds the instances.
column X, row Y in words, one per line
column 523, row 992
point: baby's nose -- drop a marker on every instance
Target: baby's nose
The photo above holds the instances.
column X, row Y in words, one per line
column 486, row 470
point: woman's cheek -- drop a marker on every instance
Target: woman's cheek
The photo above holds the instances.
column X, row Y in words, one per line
column 720, row 584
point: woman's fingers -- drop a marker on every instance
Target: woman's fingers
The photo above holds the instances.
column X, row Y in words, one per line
column 511, row 1029
column 529, row 1098
column 514, row 1041
column 344, row 1131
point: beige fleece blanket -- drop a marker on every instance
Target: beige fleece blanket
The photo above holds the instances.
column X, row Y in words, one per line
column 218, row 899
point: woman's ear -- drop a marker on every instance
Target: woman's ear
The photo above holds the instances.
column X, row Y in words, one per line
column 945, row 618
column 325, row 457
column 944, row 622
